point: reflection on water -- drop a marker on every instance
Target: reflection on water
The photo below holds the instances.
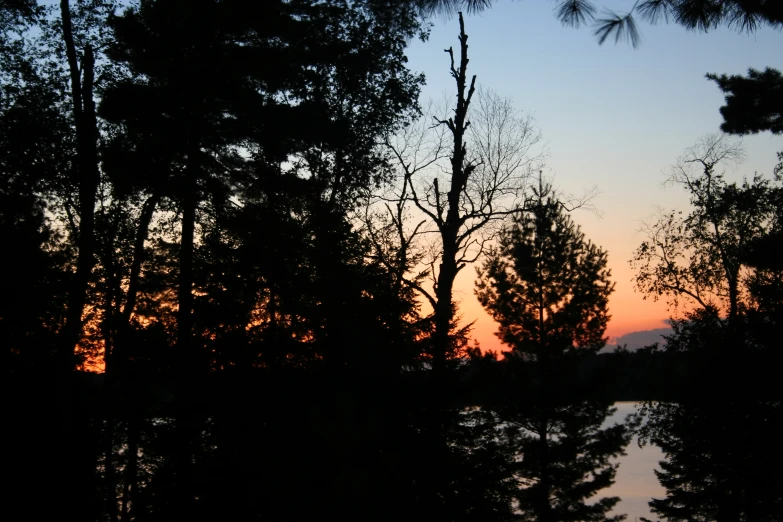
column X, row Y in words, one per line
column 635, row 483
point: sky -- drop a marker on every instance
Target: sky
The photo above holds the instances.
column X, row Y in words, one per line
column 612, row 117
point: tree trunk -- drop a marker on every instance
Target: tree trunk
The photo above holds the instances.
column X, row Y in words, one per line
column 78, row 451
column 444, row 311
column 449, row 229
column 187, row 362
column 185, row 285
column 147, row 211
column 116, row 368
column 544, row 509
column 88, row 178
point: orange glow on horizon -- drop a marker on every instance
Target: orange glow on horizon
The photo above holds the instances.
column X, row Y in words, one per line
column 628, row 309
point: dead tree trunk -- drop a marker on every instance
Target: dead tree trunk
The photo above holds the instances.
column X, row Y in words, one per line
column 450, row 226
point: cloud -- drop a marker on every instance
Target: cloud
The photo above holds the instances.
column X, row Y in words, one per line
column 636, row 340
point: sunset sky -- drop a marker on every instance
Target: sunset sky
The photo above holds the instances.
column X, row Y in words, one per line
column 612, row 116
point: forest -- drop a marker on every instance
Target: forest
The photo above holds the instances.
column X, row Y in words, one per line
column 232, row 232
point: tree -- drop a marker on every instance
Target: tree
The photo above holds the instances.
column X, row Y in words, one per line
column 723, row 341
column 340, row 66
column 701, row 257
column 182, row 100
column 49, row 74
column 210, row 123
column 707, row 474
column 87, row 175
column 484, row 151
column 714, row 436
column 753, row 103
column 548, row 289
column 35, row 150
column 547, row 286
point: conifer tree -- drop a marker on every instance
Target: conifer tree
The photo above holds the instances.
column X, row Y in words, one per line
column 548, row 288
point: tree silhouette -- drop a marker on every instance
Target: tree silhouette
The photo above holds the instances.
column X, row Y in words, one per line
column 485, row 149
column 459, row 470
column 35, row 148
column 82, row 73
column 701, row 257
column 222, row 138
column 712, row 436
column 752, row 103
column 714, row 439
column 548, row 289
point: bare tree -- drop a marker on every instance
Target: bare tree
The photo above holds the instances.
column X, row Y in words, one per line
column 460, row 178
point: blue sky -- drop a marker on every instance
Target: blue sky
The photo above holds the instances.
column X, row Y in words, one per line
column 612, row 116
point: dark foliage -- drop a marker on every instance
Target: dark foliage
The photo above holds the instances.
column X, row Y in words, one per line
column 753, row 102
column 548, row 289
column 717, row 430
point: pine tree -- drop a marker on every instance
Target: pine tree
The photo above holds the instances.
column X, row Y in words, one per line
column 548, row 288
column 546, row 285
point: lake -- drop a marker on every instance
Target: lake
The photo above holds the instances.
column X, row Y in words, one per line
column 635, row 483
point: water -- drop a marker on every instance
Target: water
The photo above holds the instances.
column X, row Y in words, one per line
column 635, row 483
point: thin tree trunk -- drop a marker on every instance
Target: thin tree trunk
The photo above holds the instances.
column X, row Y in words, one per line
column 88, row 178
column 116, row 351
column 187, row 361
column 142, row 232
column 185, row 286
column 78, row 449
column 121, row 342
